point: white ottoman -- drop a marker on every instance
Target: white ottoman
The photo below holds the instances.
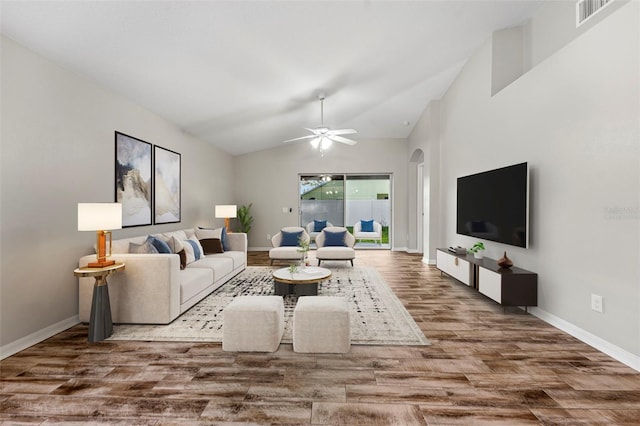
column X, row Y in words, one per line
column 321, row 325
column 253, row 324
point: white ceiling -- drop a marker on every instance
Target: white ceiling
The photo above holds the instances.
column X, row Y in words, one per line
column 245, row 76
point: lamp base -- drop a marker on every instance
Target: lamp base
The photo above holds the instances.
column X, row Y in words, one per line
column 101, row 264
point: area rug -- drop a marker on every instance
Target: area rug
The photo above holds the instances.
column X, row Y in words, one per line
column 377, row 316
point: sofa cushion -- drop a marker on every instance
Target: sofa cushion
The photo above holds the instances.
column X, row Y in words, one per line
column 366, row 225
column 193, row 281
column 122, row 245
column 290, row 239
column 211, row 245
column 190, row 256
column 334, row 239
column 183, row 258
column 220, row 233
column 160, row 245
column 145, row 248
column 180, row 235
column 220, row 266
column 236, row 256
column 175, row 244
column 198, row 252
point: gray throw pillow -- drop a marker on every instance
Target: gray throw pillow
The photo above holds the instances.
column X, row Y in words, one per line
column 145, row 247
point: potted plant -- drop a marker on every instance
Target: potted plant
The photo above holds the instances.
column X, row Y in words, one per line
column 303, row 248
column 477, row 250
column 244, row 218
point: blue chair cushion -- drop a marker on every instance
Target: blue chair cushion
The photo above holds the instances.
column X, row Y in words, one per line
column 334, row 239
column 366, row 225
column 290, row 239
column 319, row 225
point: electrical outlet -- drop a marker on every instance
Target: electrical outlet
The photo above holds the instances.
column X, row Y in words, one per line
column 596, row 303
column 268, row 237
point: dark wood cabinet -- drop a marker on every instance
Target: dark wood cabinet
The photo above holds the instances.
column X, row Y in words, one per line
column 508, row 286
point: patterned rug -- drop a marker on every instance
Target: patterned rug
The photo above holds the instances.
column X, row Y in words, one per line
column 377, row 316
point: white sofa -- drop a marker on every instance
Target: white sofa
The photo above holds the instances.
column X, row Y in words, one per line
column 152, row 289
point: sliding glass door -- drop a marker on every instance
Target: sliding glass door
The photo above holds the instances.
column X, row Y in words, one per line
column 346, row 199
column 322, row 198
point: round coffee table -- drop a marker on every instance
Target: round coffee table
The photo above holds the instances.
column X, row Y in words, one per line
column 303, row 282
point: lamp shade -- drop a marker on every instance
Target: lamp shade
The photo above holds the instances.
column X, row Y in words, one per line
column 225, row 211
column 99, row 216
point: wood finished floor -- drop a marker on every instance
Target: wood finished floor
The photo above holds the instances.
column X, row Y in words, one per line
column 485, row 366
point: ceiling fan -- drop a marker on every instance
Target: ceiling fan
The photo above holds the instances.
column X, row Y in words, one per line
column 322, row 136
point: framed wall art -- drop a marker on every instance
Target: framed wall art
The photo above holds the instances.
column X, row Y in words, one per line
column 166, row 186
column 133, row 180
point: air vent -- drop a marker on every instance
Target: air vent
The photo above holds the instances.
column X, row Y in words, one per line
column 585, row 9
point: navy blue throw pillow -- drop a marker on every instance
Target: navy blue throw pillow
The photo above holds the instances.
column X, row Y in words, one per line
column 366, row 225
column 225, row 239
column 334, row 239
column 290, row 239
column 160, row 245
column 319, row 225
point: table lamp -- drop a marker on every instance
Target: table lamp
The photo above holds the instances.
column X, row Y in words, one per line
column 100, row 217
column 226, row 212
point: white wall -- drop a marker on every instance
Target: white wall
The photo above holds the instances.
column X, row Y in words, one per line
column 269, row 180
column 553, row 27
column 574, row 118
column 57, row 150
column 425, row 137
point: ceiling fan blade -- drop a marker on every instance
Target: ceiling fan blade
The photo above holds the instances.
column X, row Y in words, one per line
column 341, row 140
column 342, row 132
column 314, row 131
column 299, row 139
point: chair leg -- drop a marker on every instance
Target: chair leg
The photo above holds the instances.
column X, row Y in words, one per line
column 271, row 262
column 351, row 260
column 319, row 262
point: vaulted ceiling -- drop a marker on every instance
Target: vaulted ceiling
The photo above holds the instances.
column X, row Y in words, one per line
column 245, row 76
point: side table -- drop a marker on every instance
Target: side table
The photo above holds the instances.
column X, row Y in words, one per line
column 100, row 324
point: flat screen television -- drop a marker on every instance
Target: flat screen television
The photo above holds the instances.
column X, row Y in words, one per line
column 494, row 205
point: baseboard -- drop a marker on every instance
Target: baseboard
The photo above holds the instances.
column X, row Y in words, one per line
column 428, row 261
column 399, row 249
column 37, row 337
column 600, row 344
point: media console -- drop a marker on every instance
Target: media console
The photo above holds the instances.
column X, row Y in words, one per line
column 507, row 286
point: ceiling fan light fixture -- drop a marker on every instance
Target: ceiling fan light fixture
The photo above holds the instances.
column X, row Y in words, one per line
column 315, row 143
column 325, row 143
column 322, row 137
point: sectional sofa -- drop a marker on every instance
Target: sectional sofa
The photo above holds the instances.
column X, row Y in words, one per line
column 155, row 288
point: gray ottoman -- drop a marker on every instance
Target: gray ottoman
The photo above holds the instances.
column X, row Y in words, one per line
column 253, row 324
column 321, row 325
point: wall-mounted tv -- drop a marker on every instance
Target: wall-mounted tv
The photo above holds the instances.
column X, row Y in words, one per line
column 494, row 205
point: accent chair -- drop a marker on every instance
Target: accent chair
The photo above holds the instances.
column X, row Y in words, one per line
column 285, row 244
column 335, row 243
column 374, row 232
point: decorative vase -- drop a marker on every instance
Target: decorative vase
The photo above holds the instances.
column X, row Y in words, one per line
column 478, row 254
column 505, row 262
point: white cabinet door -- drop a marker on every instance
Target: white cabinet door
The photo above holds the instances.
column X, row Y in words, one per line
column 454, row 266
column 490, row 284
